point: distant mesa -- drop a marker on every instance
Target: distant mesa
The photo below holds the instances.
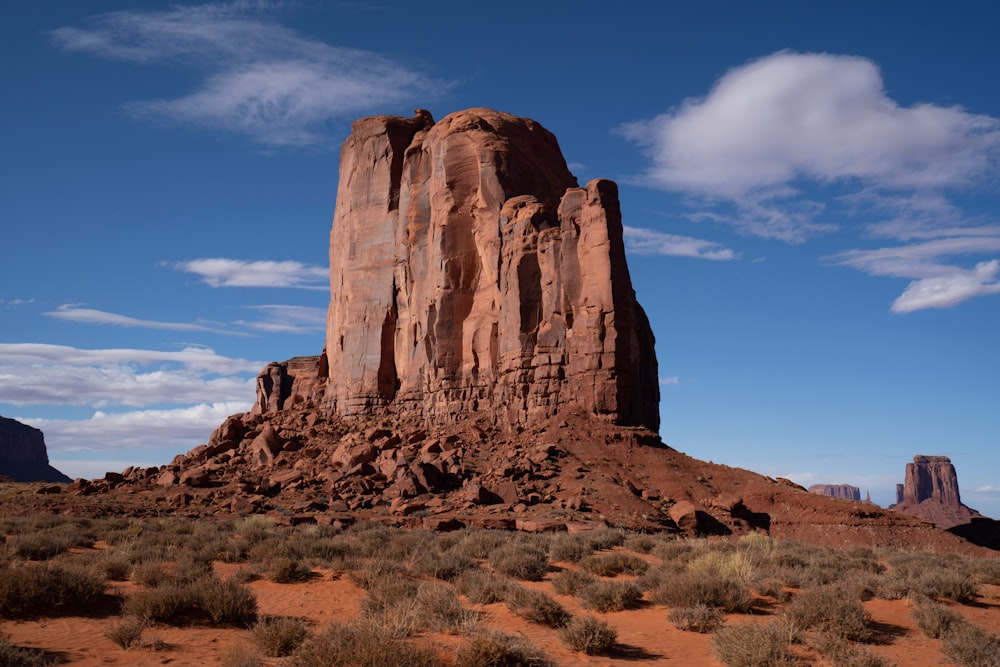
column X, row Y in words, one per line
column 23, row 457
column 930, row 492
column 844, row 491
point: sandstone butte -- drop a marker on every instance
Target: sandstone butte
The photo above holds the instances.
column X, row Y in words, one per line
column 486, row 364
column 23, row 456
column 469, row 274
column 930, row 492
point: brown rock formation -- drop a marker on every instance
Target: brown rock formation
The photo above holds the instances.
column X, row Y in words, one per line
column 844, row 491
column 23, row 456
column 470, row 274
column 930, row 492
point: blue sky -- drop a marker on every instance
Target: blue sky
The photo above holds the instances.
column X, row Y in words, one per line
column 810, row 197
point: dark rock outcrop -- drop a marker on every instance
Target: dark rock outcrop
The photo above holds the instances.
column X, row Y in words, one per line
column 844, row 491
column 930, row 492
column 23, row 457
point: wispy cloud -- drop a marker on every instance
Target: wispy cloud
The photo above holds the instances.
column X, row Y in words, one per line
column 91, row 316
column 259, row 78
column 651, row 242
column 288, row 319
column 776, row 135
column 669, row 380
column 15, row 302
column 40, row 374
column 176, row 430
column 222, row 272
column 989, row 488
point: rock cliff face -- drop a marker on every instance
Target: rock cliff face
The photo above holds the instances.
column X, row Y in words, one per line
column 470, row 274
column 845, row 491
column 930, row 492
column 23, row 457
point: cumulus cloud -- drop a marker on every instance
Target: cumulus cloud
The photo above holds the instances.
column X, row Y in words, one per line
column 776, row 135
column 820, row 117
column 651, row 242
column 176, row 430
column 40, row 374
column 259, row 78
column 92, row 316
column 222, row 272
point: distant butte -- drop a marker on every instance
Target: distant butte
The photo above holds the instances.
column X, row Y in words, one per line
column 23, row 457
column 930, row 492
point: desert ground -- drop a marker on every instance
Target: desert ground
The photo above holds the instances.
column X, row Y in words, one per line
column 176, row 590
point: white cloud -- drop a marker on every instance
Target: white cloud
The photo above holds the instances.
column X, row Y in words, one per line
column 820, row 117
column 91, row 316
column 934, row 284
column 989, row 488
column 39, row 374
column 176, row 430
column 651, row 242
column 222, row 272
column 669, row 380
column 775, row 135
column 260, row 78
column 289, row 319
column 950, row 290
column 15, row 302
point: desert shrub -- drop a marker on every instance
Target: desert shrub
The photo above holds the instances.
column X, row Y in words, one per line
column 957, row 586
column 641, row 543
column 480, row 544
column 15, row 656
column 590, row 635
column 445, row 566
column 126, row 631
column 613, row 564
column 439, row 607
column 699, row 618
column 842, row 653
column 278, row 636
column 496, row 649
column 536, row 607
column 570, row 582
column 373, row 571
column 228, row 601
column 935, row 620
column 151, row 574
column 827, row 609
column 239, row 655
column 115, row 566
column 675, row 554
column 388, row 592
column 285, row 570
column 482, row 587
column 570, row 548
column 690, row 589
column 360, row 645
column 42, row 588
column 43, row 545
column 969, row 645
column 521, row 562
column 754, row 645
column 605, row 596
column 255, row 528
column 773, row 588
column 986, row 570
column 164, row 603
column 606, row 538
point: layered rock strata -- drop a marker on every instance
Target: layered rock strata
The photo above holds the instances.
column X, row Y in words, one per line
column 470, row 274
column 23, row 457
column 930, row 492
